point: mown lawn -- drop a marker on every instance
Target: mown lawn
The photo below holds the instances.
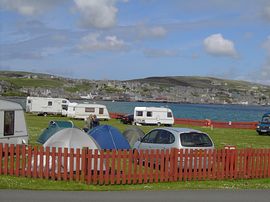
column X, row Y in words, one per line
column 221, row 137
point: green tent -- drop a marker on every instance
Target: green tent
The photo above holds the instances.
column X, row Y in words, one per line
column 54, row 126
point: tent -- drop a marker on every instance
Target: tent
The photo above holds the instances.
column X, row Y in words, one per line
column 109, row 137
column 72, row 138
column 54, row 126
column 13, row 128
column 132, row 134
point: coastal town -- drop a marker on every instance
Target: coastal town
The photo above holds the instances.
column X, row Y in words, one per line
column 201, row 90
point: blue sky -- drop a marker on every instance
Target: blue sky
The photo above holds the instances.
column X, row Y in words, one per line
column 129, row 39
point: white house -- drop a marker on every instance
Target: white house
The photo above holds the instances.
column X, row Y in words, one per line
column 12, row 125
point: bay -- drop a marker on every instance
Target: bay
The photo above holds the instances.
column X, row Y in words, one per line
column 189, row 111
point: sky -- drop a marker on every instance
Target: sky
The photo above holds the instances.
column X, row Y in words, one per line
column 130, row 39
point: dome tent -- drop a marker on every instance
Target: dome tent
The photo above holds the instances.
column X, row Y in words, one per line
column 132, row 134
column 109, row 137
column 72, row 138
column 54, row 126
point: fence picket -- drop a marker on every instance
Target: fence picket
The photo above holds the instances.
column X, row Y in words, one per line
column 29, row 161
column 40, row 163
column 130, row 165
column 23, row 169
column 1, row 158
column 18, row 160
column 65, row 172
column 125, row 158
column 118, row 166
column 78, row 164
column 6, row 159
column 101, row 161
column 146, row 164
column 157, row 165
column 71, row 164
column 11, row 159
column 47, row 164
column 107, row 167
column 112, row 174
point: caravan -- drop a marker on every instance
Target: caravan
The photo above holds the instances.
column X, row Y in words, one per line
column 44, row 106
column 83, row 110
column 153, row 116
column 12, row 125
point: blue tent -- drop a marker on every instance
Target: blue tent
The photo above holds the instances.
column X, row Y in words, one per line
column 109, row 137
column 54, row 126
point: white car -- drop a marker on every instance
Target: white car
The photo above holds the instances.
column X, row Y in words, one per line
column 180, row 138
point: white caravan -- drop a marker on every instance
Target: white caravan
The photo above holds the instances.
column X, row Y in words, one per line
column 44, row 105
column 82, row 111
column 12, row 125
column 153, row 116
column 70, row 112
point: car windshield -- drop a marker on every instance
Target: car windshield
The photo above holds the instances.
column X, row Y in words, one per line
column 266, row 119
column 195, row 139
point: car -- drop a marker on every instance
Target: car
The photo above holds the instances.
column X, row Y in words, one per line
column 264, row 125
column 180, row 138
column 127, row 119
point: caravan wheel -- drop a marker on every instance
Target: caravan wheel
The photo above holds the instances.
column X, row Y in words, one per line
column 45, row 114
column 158, row 124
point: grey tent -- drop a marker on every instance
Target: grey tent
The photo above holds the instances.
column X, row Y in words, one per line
column 54, row 126
column 132, row 134
column 72, row 138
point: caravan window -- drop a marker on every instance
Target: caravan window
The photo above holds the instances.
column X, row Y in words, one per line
column 139, row 113
column 169, row 114
column 149, row 114
column 89, row 109
column 50, row 103
column 101, row 110
column 64, row 107
column 8, row 123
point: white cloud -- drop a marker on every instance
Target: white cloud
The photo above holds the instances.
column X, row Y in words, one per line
column 149, row 32
column 218, row 46
column 29, row 7
column 93, row 42
column 97, row 13
column 266, row 12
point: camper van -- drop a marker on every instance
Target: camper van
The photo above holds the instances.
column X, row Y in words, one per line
column 83, row 110
column 153, row 116
column 12, row 125
column 44, row 105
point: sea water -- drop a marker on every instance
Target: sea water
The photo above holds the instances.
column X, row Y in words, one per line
column 189, row 111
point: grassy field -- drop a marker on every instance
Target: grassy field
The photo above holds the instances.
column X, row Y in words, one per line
column 221, row 137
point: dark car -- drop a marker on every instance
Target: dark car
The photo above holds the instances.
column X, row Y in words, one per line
column 127, row 119
column 264, row 125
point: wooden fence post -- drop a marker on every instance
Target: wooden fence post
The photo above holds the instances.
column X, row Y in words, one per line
column 1, row 158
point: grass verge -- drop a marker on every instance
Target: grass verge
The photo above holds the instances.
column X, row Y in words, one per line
column 9, row 182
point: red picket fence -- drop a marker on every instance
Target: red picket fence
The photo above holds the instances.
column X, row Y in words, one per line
column 132, row 167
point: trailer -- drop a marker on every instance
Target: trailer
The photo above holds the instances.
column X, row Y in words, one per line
column 13, row 128
column 45, row 106
column 153, row 116
column 83, row 110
